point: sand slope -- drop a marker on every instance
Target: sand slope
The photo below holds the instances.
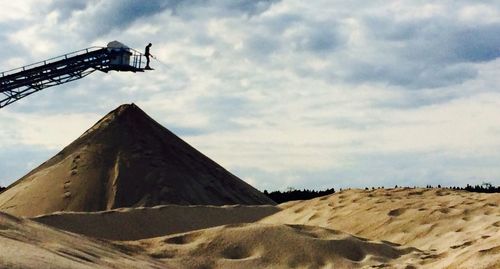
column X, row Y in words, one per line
column 462, row 228
column 139, row 223
column 408, row 228
column 28, row 245
column 126, row 160
column 274, row 246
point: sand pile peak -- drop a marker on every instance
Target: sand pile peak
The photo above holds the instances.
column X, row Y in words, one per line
column 126, row 159
column 121, row 114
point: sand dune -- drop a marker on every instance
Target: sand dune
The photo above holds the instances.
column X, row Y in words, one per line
column 274, row 246
column 407, row 228
column 29, row 245
column 139, row 223
column 461, row 228
column 126, row 160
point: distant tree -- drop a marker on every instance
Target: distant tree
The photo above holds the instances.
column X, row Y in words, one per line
column 292, row 194
column 487, row 185
column 2, row 189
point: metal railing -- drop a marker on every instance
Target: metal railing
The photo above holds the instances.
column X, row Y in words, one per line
column 51, row 60
column 137, row 59
column 20, row 82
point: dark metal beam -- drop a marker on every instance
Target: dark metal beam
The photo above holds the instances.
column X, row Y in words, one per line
column 19, row 83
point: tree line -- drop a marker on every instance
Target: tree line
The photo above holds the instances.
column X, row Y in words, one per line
column 485, row 187
column 292, row 194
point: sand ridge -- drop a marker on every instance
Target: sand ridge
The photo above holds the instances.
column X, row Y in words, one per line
column 461, row 228
column 274, row 246
column 407, row 228
column 147, row 222
column 241, row 245
column 29, row 245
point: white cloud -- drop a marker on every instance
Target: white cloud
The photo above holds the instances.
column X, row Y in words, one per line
column 43, row 131
column 311, row 94
column 18, row 10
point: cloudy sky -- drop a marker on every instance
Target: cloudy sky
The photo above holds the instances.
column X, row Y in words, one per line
column 291, row 93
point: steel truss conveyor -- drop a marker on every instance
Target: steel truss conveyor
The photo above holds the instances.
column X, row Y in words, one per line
column 18, row 83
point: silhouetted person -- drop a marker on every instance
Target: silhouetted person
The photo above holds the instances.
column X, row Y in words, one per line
column 147, row 54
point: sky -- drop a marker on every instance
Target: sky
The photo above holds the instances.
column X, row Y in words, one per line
column 291, row 93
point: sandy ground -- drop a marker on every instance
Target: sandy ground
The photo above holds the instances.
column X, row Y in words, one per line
column 462, row 229
column 395, row 228
column 126, row 160
column 275, row 246
column 25, row 244
column 140, row 223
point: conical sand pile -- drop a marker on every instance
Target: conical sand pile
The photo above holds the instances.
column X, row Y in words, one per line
column 126, row 160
